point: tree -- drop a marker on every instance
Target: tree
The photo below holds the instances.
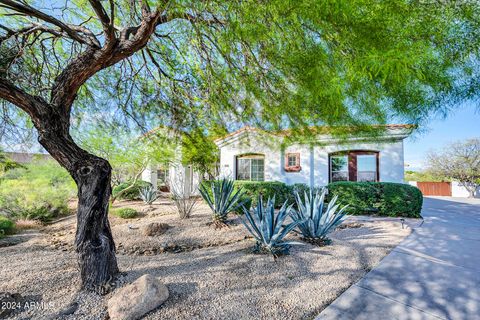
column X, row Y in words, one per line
column 200, row 64
column 200, row 151
column 129, row 153
column 459, row 161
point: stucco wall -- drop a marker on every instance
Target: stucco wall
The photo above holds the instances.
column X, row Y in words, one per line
column 252, row 143
column 313, row 160
column 391, row 163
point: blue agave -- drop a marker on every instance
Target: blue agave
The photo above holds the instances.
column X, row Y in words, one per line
column 148, row 194
column 222, row 199
column 267, row 227
column 314, row 221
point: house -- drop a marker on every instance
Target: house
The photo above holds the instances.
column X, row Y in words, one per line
column 256, row 155
column 173, row 175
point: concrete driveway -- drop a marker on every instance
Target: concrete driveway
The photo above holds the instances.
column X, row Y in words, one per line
column 433, row 274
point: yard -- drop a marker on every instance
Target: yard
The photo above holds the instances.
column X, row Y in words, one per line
column 210, row 273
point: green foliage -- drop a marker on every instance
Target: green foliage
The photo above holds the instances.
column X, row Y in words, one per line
column 423, row 176
column 271, row 63
column 133, row 193
column 381, row 198
column 128, row 152
column 6, row 226
column 269, row 228
column 400, row 200
column 200, row 151
column 39, row 191
column 315, row 221
column 278, row 191
column 7, row 164
column 267, row 189
column 222, row 199
column 125, row 213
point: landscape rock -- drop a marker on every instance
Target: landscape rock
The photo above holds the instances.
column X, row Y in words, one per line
column 155, row 229
column 138, row 298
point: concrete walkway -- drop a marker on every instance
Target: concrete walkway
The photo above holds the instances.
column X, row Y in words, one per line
column 433, row 274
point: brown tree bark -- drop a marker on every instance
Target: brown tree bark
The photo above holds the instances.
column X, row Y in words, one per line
column 93, row 241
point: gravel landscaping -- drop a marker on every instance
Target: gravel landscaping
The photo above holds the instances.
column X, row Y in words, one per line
column 210, row 275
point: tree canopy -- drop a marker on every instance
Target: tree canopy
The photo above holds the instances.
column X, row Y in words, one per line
column 272, row 64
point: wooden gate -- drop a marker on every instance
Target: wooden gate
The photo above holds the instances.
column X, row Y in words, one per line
column 435, row 188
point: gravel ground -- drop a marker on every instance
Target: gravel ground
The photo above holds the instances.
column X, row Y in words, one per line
column 221, row 281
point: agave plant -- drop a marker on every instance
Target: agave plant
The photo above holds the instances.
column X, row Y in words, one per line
column 148, row 194
column 222, row 200
column 267, row 227
column 315, row 221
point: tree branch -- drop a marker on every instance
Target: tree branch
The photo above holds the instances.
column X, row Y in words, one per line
column 28, row 103
column 106, row 21
column 32, row 12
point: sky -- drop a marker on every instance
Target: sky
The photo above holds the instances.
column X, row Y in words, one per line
column 461, row 123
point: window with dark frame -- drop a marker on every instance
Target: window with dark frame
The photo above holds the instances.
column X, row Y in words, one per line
column 292, row 162
column 355, row 165
column 251, row 168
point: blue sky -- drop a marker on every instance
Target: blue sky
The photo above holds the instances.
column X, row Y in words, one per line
column 461, row 123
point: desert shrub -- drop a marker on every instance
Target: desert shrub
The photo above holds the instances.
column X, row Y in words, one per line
column 131, row 194
column 382, row 198
column 39, row 191
column 267, row 189
column 315, row 218
column 148, row 194
column 6, row 226
column 400, row 200
column 268, row 227
column 125, row 213
column 222, row 198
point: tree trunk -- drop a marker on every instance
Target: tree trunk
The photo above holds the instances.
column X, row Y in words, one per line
column 471, row 192
column 93, row 241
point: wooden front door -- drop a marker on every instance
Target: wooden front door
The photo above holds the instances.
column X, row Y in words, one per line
column 435, row 188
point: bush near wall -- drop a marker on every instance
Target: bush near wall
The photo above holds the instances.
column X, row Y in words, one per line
column 381, row 198
column 252, row 189
column 6, row 226
column 132, row 193
column 40, row 191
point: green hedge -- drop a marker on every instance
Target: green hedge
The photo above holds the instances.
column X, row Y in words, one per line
column 130, row 194
column 6, row 226
column 381, row 198
column 267, row 189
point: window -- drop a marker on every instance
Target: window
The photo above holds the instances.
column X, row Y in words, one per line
column 339, row 168
column 366, row 167
column 251, row 167
column 292, row 162
column 354, row 166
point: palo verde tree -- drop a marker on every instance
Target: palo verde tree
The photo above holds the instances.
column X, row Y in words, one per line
column 202, row 64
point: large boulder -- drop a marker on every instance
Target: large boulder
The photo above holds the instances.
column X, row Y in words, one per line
column 155, row 229
column 138, row 298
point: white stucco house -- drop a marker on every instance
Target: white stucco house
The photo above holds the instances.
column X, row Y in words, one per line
column 253, row 154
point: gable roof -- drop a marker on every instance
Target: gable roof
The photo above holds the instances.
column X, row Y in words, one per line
column 403, row 129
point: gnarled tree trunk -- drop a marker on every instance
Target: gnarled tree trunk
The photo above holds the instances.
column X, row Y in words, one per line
column 93, row 242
